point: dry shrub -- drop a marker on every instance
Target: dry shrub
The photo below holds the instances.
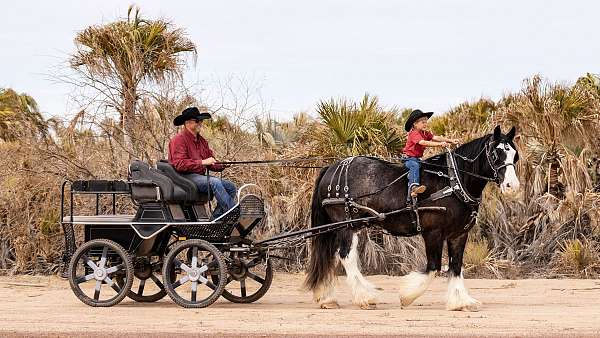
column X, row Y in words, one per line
column 557, row 204
column 578, row 258
column 479, row 260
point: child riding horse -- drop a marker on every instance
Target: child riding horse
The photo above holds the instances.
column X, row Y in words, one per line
column 418, row 139
column 455, row 182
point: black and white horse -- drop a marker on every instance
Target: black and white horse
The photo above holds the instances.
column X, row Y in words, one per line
column 487, row 159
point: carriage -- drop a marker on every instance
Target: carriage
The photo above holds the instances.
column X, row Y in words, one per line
column 171, row 242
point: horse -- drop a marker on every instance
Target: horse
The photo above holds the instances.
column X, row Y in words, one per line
column 370, row 186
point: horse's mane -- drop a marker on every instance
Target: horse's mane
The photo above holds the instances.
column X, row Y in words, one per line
column 469, row 149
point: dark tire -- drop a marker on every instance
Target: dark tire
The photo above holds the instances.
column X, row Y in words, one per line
column 195, row 270
column 240, row 272
column 138, row 291
column 101, row 262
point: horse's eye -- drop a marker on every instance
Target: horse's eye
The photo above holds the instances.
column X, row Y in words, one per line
column 506, row 147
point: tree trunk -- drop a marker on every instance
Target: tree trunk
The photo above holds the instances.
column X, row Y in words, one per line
column 555, row 188
column 128, row 95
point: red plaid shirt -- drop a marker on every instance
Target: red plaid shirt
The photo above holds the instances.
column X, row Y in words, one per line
column 186, row 152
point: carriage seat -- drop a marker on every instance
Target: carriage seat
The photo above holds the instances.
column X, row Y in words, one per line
column 150, row 184
column 183, row 182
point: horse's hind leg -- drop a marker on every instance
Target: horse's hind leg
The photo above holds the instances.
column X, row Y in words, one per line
column 324, row 294
column 363, row 292
column 415, row 283
column 458, row 298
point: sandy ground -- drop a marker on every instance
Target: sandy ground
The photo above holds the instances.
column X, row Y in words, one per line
column 45, row 306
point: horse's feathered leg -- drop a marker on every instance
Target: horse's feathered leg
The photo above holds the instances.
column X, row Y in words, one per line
column 415, row 283
column 363, row 292
column 458, row 298
column 320, row 273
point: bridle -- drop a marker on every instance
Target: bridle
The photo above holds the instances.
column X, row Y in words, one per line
column 491, row 157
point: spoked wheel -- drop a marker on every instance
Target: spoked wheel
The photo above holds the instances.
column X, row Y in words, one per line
column 248, row 277
column 147, row 285
column 94, row 269
column 188, row 273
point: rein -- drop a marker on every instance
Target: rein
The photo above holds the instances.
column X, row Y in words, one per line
column 285, row 163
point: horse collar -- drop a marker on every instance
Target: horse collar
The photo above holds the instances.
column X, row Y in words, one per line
column 456, row 184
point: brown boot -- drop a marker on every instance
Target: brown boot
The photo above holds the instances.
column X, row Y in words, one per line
column 417, row 190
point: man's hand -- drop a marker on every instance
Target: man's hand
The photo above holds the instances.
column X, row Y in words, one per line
column 209, row 161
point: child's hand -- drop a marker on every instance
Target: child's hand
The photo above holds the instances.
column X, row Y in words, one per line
column 444, row 144
column 454, row 141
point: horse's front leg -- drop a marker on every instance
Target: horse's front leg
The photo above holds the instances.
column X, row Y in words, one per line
column 458, row 298
column 415, row 283
column 363, row 292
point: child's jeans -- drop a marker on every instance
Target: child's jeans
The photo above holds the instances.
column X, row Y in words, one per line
column 414, row 165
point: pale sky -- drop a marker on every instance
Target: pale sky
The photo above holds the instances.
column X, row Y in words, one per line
column 421, row 54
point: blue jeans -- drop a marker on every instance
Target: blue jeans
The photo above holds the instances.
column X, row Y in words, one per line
column 223, row 190
column 414, row 166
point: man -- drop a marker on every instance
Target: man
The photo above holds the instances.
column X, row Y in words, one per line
column 191, row 156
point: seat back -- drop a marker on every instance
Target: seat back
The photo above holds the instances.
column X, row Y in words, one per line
column 149, row 184
column 190, row 188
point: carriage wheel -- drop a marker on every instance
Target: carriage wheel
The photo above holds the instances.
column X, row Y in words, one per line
column 188, row 273
column 147, row 286
column 94, row 269
column 247, row 280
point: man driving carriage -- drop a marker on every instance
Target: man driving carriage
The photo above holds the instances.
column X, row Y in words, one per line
column 191, row 156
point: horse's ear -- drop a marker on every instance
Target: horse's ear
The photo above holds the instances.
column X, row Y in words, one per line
column 497, row 133
column 511, row 133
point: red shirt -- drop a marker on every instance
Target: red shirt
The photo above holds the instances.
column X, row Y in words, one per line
column 412, row 147
column 186, row 152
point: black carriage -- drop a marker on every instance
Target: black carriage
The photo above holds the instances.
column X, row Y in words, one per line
column 171, row 241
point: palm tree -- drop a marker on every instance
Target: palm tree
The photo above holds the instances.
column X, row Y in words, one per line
column 19, row 116
column 127, row 53
column 359, row 128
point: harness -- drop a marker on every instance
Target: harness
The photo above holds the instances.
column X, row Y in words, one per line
column 455, row 187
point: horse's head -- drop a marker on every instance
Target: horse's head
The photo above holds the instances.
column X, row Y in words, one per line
column 502, row 156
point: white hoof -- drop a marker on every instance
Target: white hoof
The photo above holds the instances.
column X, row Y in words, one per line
column 365, row 300
column 413, row 285
column 458, row 297
column 330, row 305
column 466, row 304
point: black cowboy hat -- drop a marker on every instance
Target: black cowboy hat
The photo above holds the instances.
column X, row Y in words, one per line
column 414, row 116
column 191, row 113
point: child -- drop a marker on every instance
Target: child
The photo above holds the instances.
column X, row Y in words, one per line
column 418, row 139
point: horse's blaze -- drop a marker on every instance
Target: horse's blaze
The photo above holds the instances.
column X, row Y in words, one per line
column 511, row 181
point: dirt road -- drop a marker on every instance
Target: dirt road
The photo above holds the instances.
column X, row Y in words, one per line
column 45, row 306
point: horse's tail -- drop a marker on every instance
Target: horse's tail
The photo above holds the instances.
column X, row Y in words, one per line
column 323, row 247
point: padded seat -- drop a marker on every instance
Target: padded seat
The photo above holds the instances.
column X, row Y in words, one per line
column 184, row 183
column 146, row 180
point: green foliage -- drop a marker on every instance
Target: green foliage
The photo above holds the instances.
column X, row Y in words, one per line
column 135, row 49
column 49, row 222
column 19, row 116
column 359, row 128
column 577, row 256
